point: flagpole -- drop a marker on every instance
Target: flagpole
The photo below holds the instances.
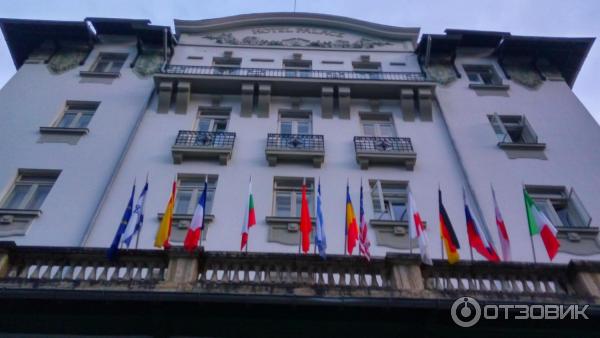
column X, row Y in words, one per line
column 409, row 228
column 346, row 222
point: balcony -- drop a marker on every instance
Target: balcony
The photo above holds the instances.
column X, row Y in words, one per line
column 384, row 150
column 286, row 73
column 61, row 278
column 203, row 145
column 295, row 147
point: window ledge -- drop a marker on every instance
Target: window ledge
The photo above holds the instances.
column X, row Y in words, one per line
column 110, row 75
column 489, row 87
column 522, row 146
column 579, row 230
column 61, row 130
column 21, row 212
column 187, row 217
column 285, row 220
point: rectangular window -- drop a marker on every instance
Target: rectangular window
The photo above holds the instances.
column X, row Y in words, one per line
column 513, row 129
column 30, row 189
column 393, row 196
column 482, row 74
column 189, row 189
column 212, row 122
column 379, row 125
column 562, row 207
column 109, row 63
column 77, row 114
column 288, row 196
column 295, row 122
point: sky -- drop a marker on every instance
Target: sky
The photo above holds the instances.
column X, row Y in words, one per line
column 573, row 18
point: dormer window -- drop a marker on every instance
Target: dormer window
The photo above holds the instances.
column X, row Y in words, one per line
column 227, row 64
column 365, row 64
column 296, row 66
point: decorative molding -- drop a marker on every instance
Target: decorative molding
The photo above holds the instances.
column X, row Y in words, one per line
column 227, row 38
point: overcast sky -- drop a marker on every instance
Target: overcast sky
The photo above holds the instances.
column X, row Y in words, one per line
column 574, row 18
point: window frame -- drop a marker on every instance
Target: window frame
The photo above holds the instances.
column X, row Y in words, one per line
column 34, row 179
column 399, row 195
column 195, row 192
column 548, row 198
column 500, row 125
column 295, row 118
column 378, row 120
column 478, row 69
column 110, row 65
column 79, row 108
column 295, row 195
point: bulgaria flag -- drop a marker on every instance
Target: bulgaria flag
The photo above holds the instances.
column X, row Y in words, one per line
column 249, row 217
column 194, row 233
column 164, row 230
column 539, row 224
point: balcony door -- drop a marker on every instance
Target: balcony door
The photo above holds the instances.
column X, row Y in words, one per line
column 212, row 123
column 295, row 123
column 378, row 126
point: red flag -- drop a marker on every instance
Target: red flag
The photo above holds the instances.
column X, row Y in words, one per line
column 305, row 222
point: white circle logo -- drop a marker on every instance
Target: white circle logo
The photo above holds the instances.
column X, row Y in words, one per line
column 465, row 311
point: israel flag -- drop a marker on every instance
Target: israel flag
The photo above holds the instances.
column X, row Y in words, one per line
column 320, row 239
column 137, row 221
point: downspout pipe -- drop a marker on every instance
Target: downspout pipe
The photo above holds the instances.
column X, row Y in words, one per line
column 86, row 234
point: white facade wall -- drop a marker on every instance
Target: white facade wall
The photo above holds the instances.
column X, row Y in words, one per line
column 559, row 119
column 35, row 98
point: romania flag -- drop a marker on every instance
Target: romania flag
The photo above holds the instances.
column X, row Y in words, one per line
column 447, row 232
column 351, row 225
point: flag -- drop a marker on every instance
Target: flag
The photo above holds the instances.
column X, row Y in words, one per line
column 363, row 239
column 113, row 251
column 502, row 233
column 249, row 217
column 305, row 222
column 539, row 224
column 417, row 229
column 351, row 226
column 194, row 233
column 449, row 239
column 320, row 239
column 479, row 238
column 135, row 226
column 164, row 230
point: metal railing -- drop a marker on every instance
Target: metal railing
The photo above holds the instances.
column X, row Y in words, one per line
column 299, row 142
column 294, row 73
column 383, row 144
column 205, row 139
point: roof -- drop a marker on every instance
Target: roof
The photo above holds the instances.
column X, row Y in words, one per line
column 567, row 54
column 24, row 36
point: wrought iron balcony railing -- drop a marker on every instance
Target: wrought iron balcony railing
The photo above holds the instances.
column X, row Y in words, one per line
column 383, row 144
column 296, row 142
column 201, row 144
column 390, row 150
column 287, row 73
column 295, row 147
column 190, row 138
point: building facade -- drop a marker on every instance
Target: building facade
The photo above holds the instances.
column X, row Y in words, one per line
column 286, row 99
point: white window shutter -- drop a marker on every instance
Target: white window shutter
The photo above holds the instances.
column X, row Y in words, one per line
column 500, row 129
column 529, row 135
column 576, row 209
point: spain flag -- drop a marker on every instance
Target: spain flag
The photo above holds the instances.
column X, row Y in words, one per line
column 351, row 225
column 449, row 239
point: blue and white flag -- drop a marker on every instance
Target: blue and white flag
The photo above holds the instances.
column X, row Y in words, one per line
column 137, row 221
column 320, row 239
column 114, row 247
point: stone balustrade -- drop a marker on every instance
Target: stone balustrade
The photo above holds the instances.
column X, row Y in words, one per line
column 399, row 276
